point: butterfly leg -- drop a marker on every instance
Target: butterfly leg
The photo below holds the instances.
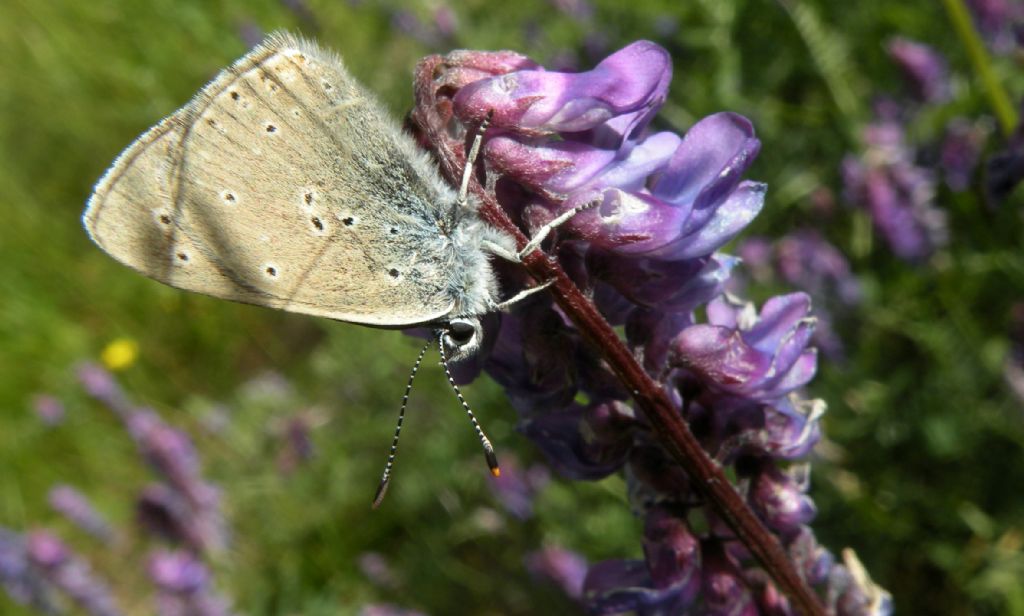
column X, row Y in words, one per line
column 517, row 256
column 518, row 297
column 474, row 152
column 543, row 232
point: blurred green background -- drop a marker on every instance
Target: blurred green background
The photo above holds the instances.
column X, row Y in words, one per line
column 922, row 471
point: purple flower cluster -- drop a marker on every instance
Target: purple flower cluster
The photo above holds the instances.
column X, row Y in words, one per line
column 181, row 507
column 1001, row 23
column 76, row 507
column 184, row 586
column 896, row 192
column 37, row 568
column 662, row 205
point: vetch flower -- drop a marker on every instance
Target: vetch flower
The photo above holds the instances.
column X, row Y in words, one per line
column 897, row 193
column 22, row 582
column 645, row 251
column 69, row 573
column 760, row 357
column 171, row 455
column 184, row 586
column 563, row 567
column 48, row 408
column 960, row 150
column 517, row 487
column 924, row 69
column 74, row 506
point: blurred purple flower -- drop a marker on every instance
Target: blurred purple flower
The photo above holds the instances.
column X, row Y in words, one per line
column 517, row 488
column 74, row 506
column 896, row 192
column 23, row 583
column 1004, row 170
column 960, row 150
column 101, row 385
column 645, row 252
column 163, row 511
column 172, row 456
column 923, row 67
column 304, row 13
column 377, row 569
column 171, row 453
column 296, row 442
column 580, row 10
column 1000, row 22
column 48, row 408
column 67, row 572
column 251, row 33
column 431, row 34
column 184, row 586
column 564, row 567
column 387, row 609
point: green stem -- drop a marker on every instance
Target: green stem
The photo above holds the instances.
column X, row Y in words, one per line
column 998, row 98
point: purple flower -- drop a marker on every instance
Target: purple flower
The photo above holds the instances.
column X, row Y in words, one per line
column 852, row 593
column 999, row 21
column 431, row 34
column 780, row 497
column 924, row 69
column 666, row 582
column 74, row 506
column 760, row 357
column 387, row 609
column 660, row 206
column 67, row 572
column 722, row 583
column 20, row 579
column 565, row 568
column 48, row 408
column 377, row 569
column 192, row 513
column 1004, row 170
column 580, row 10
column 516, row 488
column 622, row 92
column 102, row 386
column 959, row 152
column 164, row 512
column 583, row 442
column 296, row 446
column 897, row 193
column 171, row 453
column 183, row 585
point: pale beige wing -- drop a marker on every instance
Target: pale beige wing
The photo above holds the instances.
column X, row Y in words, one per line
column 282, row 184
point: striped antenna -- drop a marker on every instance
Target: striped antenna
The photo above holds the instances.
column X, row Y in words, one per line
column 492, row 459
column 386, row 477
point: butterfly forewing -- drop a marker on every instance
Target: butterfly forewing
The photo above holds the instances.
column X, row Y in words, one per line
column 277, row 186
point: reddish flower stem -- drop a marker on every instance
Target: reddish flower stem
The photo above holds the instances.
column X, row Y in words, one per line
column 429, row 119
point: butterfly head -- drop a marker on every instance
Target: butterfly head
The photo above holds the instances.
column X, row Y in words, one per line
column 461, row 337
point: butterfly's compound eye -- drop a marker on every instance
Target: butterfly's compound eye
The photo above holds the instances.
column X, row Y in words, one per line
column 462, row 337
